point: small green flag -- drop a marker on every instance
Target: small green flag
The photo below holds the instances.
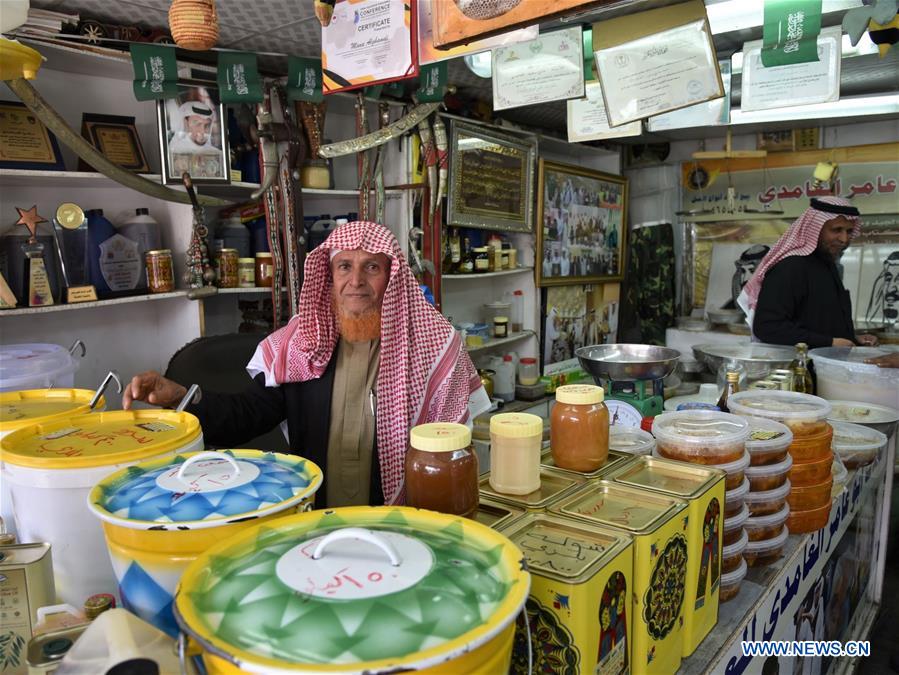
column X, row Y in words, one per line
column 790, row 33
column 238, row 78
column 432, row 81
column 304, row 79
column 155, row 72
column 589, row 75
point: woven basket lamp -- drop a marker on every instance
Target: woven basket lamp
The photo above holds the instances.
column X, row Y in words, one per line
column 194, row 24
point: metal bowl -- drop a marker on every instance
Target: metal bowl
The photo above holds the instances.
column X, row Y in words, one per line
column 724, row 317
column 758, row 359
column 623, row 362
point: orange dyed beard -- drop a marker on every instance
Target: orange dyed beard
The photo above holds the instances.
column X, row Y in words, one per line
column 358, row 327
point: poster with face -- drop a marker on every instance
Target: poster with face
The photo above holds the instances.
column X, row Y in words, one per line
column 192, row 135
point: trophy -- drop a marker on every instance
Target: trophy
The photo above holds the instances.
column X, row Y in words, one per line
column 70, row 236
column 35, row 283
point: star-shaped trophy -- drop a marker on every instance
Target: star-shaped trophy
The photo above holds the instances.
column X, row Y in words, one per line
column 35, row 283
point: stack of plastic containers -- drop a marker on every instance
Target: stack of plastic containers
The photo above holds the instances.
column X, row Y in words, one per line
column 631, row 440
column 805, row 504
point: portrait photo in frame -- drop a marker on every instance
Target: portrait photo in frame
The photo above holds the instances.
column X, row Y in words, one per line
column 491, row 179
column 192, row 135
column 582, row 216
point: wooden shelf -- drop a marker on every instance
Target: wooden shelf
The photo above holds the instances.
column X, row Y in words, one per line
column 487, row 275
column 497, row 342
column 21, row 311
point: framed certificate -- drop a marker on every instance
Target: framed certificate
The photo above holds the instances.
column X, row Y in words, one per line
column 369, row 42
column 25, row 143
column 491, row 179
column 550, row 68
column 116, row 138
column 587, row 119
column 709, row 114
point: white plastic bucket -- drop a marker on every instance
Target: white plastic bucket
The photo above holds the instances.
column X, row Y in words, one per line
column 36, row 366
column 843, row 375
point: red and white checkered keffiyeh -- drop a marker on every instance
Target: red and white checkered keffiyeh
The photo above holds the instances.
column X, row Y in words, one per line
column 800, row 239
column 425, row 374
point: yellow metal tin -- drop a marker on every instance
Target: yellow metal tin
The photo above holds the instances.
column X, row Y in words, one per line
column 616, row 460
column 26, row 583
column 496, row 514
column 658, row 524
column 35, row 406
column 99, row 439
column 703, row 489
column 554, row 486
column 579, row 608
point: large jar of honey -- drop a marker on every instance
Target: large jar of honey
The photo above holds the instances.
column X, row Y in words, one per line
column 442, row 469
column 579, row 428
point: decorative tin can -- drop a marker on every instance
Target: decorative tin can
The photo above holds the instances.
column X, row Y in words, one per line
column 496, row 514
column 658, row 525
column 579, row 609
column 554, row 486
column 246, row 272
column 615, row 461
column 703, row 489
column 160, row 271
column 47, row 650
column 26, row 583
column 226, row 268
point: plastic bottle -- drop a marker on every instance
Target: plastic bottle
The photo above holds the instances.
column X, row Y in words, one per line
column 143, row 229
column 99, row 229
column 234, row 234
column 504, row 382
column 517, row 314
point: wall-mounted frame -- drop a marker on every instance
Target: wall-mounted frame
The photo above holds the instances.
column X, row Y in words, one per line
column 25, row 143
column 583, row 225
column 491, row 179
column 116, row 138
column 192, row 135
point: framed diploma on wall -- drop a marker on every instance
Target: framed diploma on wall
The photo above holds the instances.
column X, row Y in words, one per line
column 583, row 225
column 116, row 138
column 25, row 143
column 491, row 179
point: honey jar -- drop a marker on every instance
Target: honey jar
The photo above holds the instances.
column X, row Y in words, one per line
column 515, row 440
column 579, row 428
column 160, row 271
column 265, row 270
column 226, row 268
column 246, row 272
column 442, row 469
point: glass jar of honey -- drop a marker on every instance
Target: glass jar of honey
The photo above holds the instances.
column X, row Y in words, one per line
column 579, row 428
column 265, row 270
column 160, row 271
column 442, row 469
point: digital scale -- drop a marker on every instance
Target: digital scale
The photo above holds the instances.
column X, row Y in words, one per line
column 632, row 377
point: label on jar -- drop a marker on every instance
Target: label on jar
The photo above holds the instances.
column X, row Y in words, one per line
column 120, row 263
column 482, row 264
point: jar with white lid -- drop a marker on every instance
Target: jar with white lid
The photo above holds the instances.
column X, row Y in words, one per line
column 579, row 428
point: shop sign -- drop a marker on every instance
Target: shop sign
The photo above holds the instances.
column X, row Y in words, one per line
column 155, row 72
column 790, row 32
column 238, row 78
column 304, row 79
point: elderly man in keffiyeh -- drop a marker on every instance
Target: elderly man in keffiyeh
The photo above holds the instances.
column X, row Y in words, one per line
column 364, row 360
column 797, row 293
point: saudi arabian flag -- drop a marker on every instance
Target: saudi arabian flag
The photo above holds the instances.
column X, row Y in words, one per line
column 790, row 33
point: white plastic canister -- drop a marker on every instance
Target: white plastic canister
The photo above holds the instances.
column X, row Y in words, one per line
column 51, row 468
column 36, row 366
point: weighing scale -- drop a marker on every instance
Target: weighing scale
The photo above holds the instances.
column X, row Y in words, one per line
column 632, row 378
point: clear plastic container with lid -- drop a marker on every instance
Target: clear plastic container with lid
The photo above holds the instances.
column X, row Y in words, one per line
column 528, row 373
column 36, row 366
column 813, row 447
column 758, row 553
column 736, row 472
column 840, row 475
column 803, row 474
column 768, row 441
column 761, row 528
column 732, row 554
column 631, row 440
column 811, row 520
column 701, row 436
column 515, row 442
column 855, row 444
column 734, row 500
column 803, row 413
column 769, row 501
column 442, row 469
column 811, row 496
column 769, row 476
column 730, row 583
column 579, row 428
column 733, row 526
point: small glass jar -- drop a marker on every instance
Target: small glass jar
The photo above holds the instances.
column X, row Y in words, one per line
column 513, row 258
column 515, row 443
column 442, row 469
column 481, row 259
column 246, row 272
column 265, row 270
column 160, row 272
column 579, row 428
column 226, row 268
column 500, row 326
column 315, row 174
column 527, row 371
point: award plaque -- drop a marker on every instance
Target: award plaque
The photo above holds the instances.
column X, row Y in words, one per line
column 116, row 138
column 70, row 235
column 25, row 143
column 35, row 282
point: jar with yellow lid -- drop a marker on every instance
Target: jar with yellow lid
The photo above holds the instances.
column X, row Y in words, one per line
column 442, row 469
column 579, row 428
column 515, row 442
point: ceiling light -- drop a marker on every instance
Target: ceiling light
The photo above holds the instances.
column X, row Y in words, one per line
column 854, row 106
column 479, row 64
column 732, row 15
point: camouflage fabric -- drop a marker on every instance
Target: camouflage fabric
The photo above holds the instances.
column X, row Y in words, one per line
column 649, row 292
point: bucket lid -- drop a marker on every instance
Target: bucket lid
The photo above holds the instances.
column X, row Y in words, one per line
column 26, row 366
column 34, row 406
column 359, row 589
column 700, row 427
column 767, row 435
column 858, row 412
column 203, row 489
column 856, row 437
column 778, row 405
column 852, row 360
column 99, row 439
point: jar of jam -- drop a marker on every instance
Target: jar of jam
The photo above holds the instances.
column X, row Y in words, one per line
column 579, row 428
column 160, row 271
column 442, row 469
column 515, row 443
column 226, row 268
column 481, row 259
column 265, row 270
column 246, row 272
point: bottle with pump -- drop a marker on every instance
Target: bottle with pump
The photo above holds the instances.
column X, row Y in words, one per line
column 732, row 386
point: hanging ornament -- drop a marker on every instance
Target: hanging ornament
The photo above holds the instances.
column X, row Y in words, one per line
column 194, row 24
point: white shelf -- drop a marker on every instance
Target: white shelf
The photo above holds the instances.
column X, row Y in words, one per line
column 497, row 342
column 487, row 275
column 314, row 192
column 20, row 311
column 246, row 290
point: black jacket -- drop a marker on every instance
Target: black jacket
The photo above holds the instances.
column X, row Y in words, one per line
column 229, row 420
column 803, row 300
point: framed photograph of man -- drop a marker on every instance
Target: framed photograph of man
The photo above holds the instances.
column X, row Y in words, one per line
column 583, row 220
column 192, row 135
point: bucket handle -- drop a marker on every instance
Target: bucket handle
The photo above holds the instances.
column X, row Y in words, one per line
column 110, row 377
column 209, row 454
column 192, row 396
column 75, row 346
column 358, row 533
column 43, row 612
